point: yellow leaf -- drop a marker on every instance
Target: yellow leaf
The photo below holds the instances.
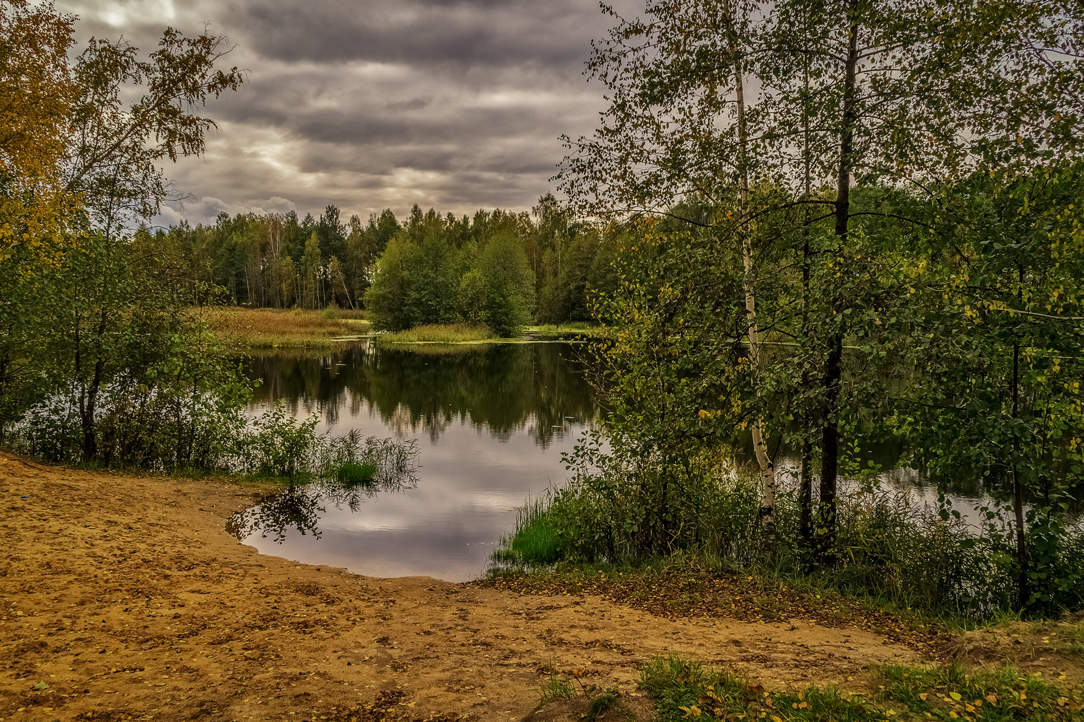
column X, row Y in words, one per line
column 691, row 712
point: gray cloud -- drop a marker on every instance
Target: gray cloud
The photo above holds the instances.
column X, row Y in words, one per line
column 455, row 104
column 417, row 33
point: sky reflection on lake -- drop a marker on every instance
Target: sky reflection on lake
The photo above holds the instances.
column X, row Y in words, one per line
column 491, row 424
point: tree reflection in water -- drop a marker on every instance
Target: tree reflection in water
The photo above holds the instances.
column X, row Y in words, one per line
column 499, row 389
column 300, row 506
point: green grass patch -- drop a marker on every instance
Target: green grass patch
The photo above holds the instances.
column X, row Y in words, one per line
column 570, row 331
column 684, row 690
column 455, row 333
column 534, row 543
column 953, row 692
column 353, row 473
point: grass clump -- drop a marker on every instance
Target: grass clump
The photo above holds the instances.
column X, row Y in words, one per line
column 555, row 689
column 582, row 700
column 438, row 333
column 570, row 331
column 534, row 543
column 354, row 472
column 684, row 690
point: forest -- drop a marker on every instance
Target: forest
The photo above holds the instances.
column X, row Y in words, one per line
column 498, row 269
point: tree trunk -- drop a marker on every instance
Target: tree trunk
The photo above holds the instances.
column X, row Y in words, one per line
column 760, row 446
column 805, row 471
column 833, row 365
column 1023, row 575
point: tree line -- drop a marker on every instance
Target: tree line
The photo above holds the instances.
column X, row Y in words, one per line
column 497, row 268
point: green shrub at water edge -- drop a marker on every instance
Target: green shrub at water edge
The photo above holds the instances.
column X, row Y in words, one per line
column 537, row 543
column 888, row 550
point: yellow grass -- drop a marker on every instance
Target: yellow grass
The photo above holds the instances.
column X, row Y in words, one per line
column 270, row 328
column 455, row 333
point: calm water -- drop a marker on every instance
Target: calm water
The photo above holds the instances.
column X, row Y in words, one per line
column 490, row 424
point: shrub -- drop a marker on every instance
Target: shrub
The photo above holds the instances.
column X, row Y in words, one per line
column 888, row 548
column 280, row 445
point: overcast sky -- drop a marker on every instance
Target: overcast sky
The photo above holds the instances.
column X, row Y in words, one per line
column 455, row 104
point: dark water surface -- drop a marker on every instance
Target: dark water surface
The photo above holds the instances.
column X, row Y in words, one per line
column 490, row 425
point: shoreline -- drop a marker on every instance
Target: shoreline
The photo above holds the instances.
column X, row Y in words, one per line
column 125, row 595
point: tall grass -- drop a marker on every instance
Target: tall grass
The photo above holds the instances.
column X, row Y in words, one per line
column 267, row 327
column 438, row 333
column 570, row 331
column 534, row 542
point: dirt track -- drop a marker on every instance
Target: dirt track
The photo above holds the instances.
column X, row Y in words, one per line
column 127, row 598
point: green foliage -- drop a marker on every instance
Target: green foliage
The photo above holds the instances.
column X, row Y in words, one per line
column 506, row 285
column 280, row 445
column 684, row 690
column 431, row 283
column 837, row 212
column 392, row 284
column 311, row 274
column 890, row 551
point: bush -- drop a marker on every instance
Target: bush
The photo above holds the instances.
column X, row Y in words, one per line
column 888, row 549
column 279, row 445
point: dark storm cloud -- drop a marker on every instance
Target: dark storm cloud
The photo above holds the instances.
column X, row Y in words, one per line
column 420, row 33
column 455, row 104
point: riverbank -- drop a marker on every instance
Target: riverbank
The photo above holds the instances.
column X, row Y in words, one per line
column 125, row 597
column 465, row 335
column 269, row 328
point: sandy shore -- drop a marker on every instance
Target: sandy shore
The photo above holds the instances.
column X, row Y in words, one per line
column 125, row 598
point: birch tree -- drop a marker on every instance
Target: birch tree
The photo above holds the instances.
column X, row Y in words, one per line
column 677, row 128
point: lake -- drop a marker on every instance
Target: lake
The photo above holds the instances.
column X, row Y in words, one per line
column 490, row 424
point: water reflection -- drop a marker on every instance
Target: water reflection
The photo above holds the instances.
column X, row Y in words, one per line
column 491, row 425
column 502, row 389
column 299, row 508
